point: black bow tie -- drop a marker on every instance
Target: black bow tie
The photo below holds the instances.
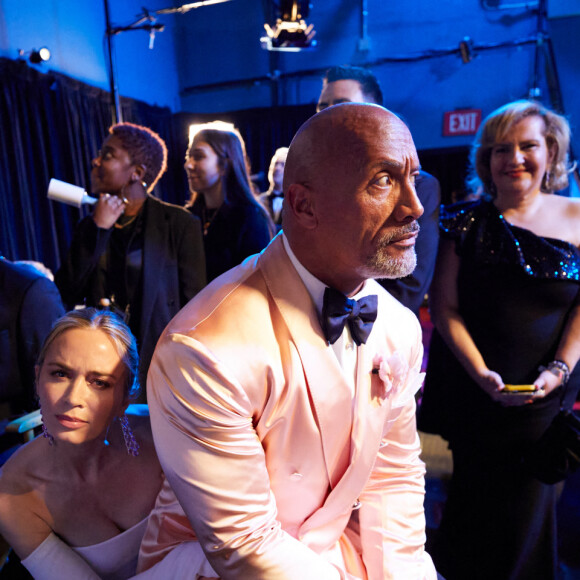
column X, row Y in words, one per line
column 338, row 310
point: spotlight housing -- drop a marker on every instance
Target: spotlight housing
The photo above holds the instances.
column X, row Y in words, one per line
column 36, row 56
column 290, row 33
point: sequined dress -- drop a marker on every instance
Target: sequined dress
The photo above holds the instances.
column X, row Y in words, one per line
column 515, row 291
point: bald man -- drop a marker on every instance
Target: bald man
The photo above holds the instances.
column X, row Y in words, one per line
column 282, row 396
column 353, row 84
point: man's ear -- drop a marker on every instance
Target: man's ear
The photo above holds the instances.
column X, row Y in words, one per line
column 301, row 204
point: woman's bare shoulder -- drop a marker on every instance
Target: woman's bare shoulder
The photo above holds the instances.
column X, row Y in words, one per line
column 21, row 471
column 562, row 218
column 571, row 217
column 21, row 522
column 562, row 203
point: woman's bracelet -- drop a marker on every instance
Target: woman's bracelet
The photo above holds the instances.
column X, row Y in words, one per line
column 558, row 368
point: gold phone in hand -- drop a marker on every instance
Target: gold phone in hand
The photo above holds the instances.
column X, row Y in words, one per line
column 520, row 390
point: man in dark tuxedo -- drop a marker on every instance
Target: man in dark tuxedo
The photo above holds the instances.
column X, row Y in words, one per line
column 272, row 199
column 29, row 304
column 344, row 84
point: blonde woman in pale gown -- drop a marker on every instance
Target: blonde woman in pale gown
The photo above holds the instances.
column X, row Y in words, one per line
column 74, row 501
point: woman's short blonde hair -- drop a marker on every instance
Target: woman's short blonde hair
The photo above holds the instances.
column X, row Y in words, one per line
column 498, row 124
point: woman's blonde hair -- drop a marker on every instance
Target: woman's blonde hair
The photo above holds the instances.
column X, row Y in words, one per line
column 117, row 331
column 498, row 124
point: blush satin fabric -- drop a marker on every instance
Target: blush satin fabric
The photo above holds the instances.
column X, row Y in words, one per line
column 280, row 472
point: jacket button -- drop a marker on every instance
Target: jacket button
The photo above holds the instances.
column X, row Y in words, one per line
column 356, row 505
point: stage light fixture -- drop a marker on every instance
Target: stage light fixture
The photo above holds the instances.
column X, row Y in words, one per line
column 217, row 125
column 290, row 33
column 36, row 56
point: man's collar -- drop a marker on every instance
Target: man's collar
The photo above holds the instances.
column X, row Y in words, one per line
column 314, row 286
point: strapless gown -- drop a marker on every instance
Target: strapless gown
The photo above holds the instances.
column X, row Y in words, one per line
column 113, row 559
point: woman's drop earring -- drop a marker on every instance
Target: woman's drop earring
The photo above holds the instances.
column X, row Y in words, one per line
column 45, row 432
column 130, row 441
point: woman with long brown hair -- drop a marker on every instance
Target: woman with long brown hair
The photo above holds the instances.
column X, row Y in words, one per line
column 235, row 225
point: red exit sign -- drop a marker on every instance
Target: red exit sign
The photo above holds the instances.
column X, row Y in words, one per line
column 461, row 122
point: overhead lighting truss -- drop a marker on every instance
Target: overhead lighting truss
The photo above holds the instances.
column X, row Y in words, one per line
column 291, row 33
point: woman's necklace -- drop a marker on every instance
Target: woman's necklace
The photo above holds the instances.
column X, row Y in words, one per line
column 208, row 217
column 125, row 223
column 125, row 220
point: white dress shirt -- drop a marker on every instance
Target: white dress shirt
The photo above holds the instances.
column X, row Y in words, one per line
column 344, row 348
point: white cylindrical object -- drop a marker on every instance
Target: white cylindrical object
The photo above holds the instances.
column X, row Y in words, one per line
column 69, row 194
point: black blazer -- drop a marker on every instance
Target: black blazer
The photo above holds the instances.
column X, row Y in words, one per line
column 236, row 232
column 29, row 304
column 173, row 269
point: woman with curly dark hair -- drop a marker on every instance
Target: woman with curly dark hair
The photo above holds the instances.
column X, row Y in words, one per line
column 141, row 256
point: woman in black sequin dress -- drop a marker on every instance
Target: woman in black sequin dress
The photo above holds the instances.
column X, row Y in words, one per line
column 505, row 302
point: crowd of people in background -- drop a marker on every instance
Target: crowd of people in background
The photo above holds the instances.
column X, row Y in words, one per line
column 503, row 291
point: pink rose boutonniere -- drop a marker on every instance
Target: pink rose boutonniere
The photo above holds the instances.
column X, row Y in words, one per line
column 397, row 381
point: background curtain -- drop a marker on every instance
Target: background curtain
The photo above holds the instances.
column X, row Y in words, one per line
column 52, row 126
